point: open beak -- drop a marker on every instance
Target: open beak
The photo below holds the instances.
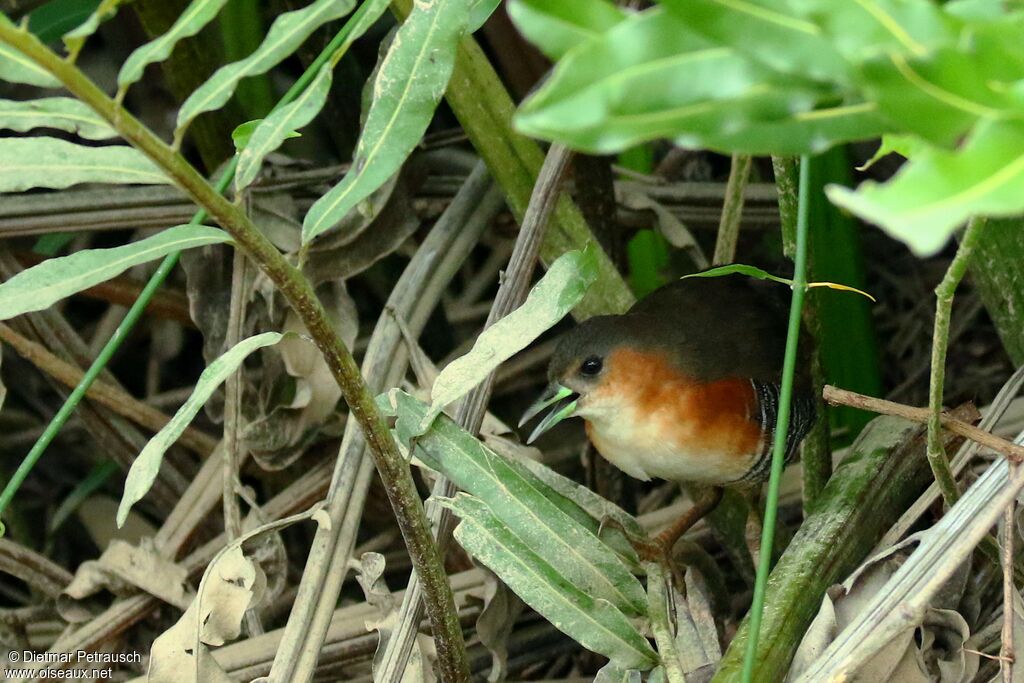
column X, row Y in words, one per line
column 564, row 401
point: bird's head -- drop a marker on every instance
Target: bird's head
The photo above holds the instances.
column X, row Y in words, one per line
column 580, row 365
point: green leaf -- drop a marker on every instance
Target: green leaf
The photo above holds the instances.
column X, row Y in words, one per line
column 808, row 132
column 733, row 268
column 525, row 505
column 649, row 77
column 269, row 133
column 769, row 32
column 410, row 82
column 943, row 96
column 17, row 68
column 48, row 162
column 242, row 134
column 145, row 468
column 62, row 113
column 904, row 145
column 282, row 124
column 557, row 26
column 864, row 29
column 197, row 15
column 75, row 38
column 557, row 293
column 594, row 623
column 288, row 32
column 480, row 13
column 52, row 280
column 938, row 190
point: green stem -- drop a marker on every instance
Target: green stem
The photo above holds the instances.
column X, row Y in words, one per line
column 782, row 425
column 393, row 470
column 937, row 458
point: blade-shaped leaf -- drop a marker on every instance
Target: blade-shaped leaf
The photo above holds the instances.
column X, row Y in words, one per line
column 52, row 280
column 409, row 84
column 75, row 38
column 286, row 34
column 17, row 68
column 557, row 26
column 197, row 15
column 48, row 162
column 767, row 31
column 62, row 113
column 648, row 77
column 519, row 501
column 268, row 134
column 281, row 124
column 144, row 470
column 938, row 190
column 557, row 293
column 594, row 623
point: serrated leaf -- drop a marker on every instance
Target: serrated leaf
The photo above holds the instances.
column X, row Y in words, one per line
column 594, row 623
column 557, row 293
column 198, row 14
column 769, row 32
column 409, row 84
column 145, row 468
column 17, row 68
column 49, row 162
column 75, row 38
column 526, row 506
column 557, row 26
column 280, row 125
column 649, row 77
column 938, row 190
column 62, row 113
column 288, row 32
column 52, row 280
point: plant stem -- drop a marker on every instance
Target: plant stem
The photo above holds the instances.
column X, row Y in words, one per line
column 657, row 607
column 393, row 470
column 1012, row 451
column 781, row 426
column 937, row 459
column 1006, row 652
column 732, row 210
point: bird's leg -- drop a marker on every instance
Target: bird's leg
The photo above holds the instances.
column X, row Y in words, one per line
column 754, row 526
column 660, row 547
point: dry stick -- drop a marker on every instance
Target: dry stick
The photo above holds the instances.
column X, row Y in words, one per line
column 837, row 396
column 732, row 210
column 122, row 403
column 513, row 289
column 937, row 458
column 1007, row 656
column 297, row 290
column 232, row 402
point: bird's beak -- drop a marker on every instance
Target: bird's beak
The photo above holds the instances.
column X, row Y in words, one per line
column 564, row 401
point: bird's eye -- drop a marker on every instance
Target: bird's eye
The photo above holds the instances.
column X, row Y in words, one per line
column 591, row 366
